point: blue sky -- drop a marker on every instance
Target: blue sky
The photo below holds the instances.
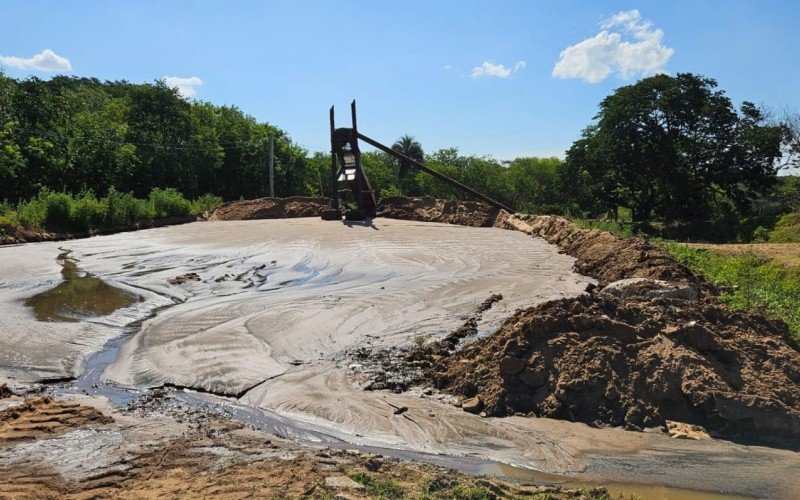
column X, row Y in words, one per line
column 412, row 65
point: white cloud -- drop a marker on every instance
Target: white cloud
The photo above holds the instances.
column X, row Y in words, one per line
column 184, row 86
column 46, row 60
column 488, row 68
column 447, row 67
column 636, row 48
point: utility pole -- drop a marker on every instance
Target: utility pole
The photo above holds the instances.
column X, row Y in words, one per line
column 271, row 166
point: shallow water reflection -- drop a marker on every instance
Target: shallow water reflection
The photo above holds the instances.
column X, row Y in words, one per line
column 79, row 296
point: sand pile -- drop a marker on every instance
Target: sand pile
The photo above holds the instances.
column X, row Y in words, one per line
column 637, row 361
column 269, row 208
column 427, row 209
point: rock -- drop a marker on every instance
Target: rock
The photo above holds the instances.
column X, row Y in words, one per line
column 184, row 278
column 5, row 391
column 343, row 483
column 533, row 378
column 472, row 405
column 680, row 430
column 511, row 366
column 631, row 287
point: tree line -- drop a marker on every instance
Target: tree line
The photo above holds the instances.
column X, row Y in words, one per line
column 667, row 148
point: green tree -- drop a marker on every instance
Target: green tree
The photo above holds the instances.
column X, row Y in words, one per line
column 675, row 148
column 410, row 147
column 537, row 184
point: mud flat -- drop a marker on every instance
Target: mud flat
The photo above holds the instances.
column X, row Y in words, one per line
column 268, row 315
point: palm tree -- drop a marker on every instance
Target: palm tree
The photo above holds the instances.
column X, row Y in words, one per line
column 410, row 147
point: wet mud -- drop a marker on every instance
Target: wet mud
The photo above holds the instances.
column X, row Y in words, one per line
column 271, row 315
column 79, row 296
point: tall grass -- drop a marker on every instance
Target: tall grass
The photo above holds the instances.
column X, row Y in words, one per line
column 85, row 211
column 748, row 282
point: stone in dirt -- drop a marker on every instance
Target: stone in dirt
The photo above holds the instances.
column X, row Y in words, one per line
column 5, row 391
column 184, row 278
column 637, row 362
column 472, row 405
column 679, row 430
column 343, row 483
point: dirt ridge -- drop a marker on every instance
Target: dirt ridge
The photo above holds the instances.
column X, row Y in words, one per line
column 651, row 343
column 269, row 208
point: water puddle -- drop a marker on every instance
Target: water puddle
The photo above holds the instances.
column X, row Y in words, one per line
column 615, row 489
column 79, row 296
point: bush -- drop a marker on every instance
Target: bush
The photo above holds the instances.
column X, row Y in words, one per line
column 169, row 203
column 123, row 209
column 87, row 212
column 205, row 203
column 62, row 211
column 57, row 207
column 761, row 235
column 787, row 230
column 32, row 214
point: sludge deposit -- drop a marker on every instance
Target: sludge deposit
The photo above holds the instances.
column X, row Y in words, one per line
column 269, row 314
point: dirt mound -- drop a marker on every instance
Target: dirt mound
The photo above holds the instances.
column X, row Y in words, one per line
column 600, row 254
column 43, row 416
column 427, row 209
column 269, row 208
column 603, row 255
column 636, row 361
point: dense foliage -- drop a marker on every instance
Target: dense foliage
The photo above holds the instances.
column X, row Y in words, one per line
column 64, row 212
column 668, row 152
column 675, row 148
column 71, row 134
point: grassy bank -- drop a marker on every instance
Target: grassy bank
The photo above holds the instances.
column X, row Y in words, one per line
column 748, row 282
column 64, row 213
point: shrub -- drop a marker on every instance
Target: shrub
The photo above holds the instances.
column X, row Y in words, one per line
column 787, row 230
column 32, row 214
column 123, row 209
column 169, row 203
column 87, row 212
column 205, row 203
column 761, row 235
column 57, row 207
column 378, row 488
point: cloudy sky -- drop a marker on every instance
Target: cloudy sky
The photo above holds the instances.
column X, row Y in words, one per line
column 505, row 78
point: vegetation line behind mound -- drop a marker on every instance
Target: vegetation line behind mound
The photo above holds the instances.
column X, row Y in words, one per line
column 748, row 282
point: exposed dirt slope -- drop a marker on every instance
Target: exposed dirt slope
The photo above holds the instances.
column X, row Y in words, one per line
column 636, row 361
column 657, row 345
column 42, row 416
column 18, row 234
column 603, row 255
column 270, row 208
column 427, row 209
